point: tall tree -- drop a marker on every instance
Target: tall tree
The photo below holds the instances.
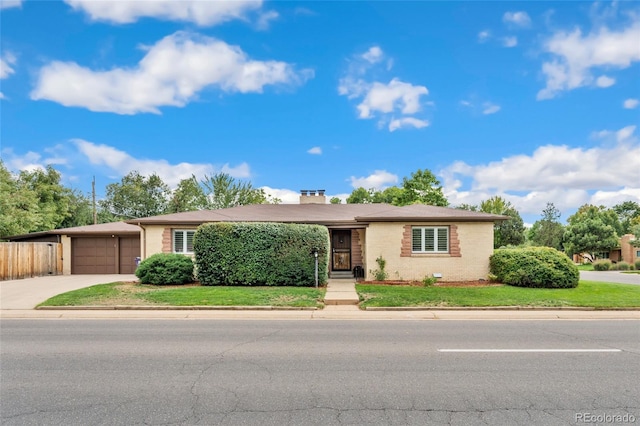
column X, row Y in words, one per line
column 506, row 232
column 548, row 231
column 18, row 205
column 80, row 210
column 628, row 213
column 422, row 187
column 591, row 230
column 53, row 198
column 188, row 196
column 223, row 191
column 136, row 196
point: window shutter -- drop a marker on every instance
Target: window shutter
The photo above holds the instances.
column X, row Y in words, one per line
column 190, row 235
column 416, row 239
column 178, row 241
column 443, row 239
column 429, row 239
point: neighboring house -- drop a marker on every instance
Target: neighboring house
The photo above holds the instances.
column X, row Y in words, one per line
column 625, row 252
column 416, row 240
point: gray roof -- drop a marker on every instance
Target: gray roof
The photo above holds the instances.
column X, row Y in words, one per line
column 323, row 214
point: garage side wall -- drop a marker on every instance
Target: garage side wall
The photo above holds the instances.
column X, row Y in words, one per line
column 467, row 260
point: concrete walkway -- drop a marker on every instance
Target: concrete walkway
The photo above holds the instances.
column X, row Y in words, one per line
column 341, row 292
column 29, row 292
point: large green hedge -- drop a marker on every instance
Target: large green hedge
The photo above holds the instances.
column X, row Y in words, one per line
column 543, row 267
column 260, row 253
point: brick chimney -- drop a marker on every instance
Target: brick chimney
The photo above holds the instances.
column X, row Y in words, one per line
column 308, row 196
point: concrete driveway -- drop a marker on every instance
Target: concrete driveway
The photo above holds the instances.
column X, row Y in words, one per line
column 28, row 292
column 610, row 277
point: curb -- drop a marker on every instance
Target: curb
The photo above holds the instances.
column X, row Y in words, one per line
column 496, row 308
column 174, row 308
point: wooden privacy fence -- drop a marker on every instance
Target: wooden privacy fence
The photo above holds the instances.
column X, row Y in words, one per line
column 23, row 260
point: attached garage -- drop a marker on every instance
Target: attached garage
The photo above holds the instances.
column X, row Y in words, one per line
column 104, row 255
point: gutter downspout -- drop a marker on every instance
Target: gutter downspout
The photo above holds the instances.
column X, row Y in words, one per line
column 143, row 254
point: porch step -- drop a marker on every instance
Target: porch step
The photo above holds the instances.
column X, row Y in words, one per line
column 341, row 292
column 341, row 274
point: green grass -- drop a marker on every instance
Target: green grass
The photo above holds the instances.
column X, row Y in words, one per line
column 585, row 267
column 137, row 294
column 587, row 294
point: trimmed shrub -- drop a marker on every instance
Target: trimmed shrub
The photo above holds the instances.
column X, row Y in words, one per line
column 602, row 265
column 637, row 264
column 165, row 268
column 261, row 253
column 541, row 267
column 622, row 266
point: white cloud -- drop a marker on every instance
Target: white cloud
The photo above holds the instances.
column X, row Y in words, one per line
column 383, row 101
column 511, row 41
column 520, row 19
column 490, row 108
column 631, row 103
column 373, row 55
column 122, row 163
column 483, row 36
column 5, row 67
column 399, row 123
column 386, row 98
column 264, row 21
column 171, row 73
column 574, row 56
column 203, row 13
column 568, row 177
column 604, row 81
column 6, row 4
column 380, row 179
column 316, row 150
column 287, row 196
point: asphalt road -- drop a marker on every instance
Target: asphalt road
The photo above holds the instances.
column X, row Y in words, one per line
column 610, row 276
column 188, row 372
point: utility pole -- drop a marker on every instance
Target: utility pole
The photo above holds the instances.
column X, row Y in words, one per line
column 93, row 194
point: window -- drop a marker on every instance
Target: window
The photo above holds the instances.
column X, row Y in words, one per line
column 183, row 241
column 430, row 239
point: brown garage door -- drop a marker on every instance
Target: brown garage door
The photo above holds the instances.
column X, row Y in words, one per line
column 104, row 255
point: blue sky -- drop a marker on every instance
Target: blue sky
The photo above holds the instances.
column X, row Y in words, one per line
column 533, row 101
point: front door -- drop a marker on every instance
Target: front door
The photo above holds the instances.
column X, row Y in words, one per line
column 341, row 249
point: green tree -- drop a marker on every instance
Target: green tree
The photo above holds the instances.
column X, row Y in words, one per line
column 135, row 196
column 591, row 230
column 506, row 232
column 223, row 191
column 548, row 231
column 335, row 200
column 628, row 213
column 422, row 187
column 53, row 198
column 80, row 210
column 18, row 205
column 188, row 196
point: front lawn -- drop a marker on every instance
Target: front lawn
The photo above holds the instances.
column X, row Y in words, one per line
column 119, row 293
column 587, row 294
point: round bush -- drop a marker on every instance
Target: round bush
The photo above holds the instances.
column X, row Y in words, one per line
column 637, row 264
column 622, row 266
column 165, row 268
column 602, row 265
column 541, row 267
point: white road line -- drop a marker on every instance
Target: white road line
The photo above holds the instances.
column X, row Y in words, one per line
column 527, row 350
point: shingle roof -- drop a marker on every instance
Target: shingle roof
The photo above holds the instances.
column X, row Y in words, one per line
column 324, row 214
column 117, row 228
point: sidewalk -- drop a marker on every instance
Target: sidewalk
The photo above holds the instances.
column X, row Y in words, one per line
column 341, row 292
